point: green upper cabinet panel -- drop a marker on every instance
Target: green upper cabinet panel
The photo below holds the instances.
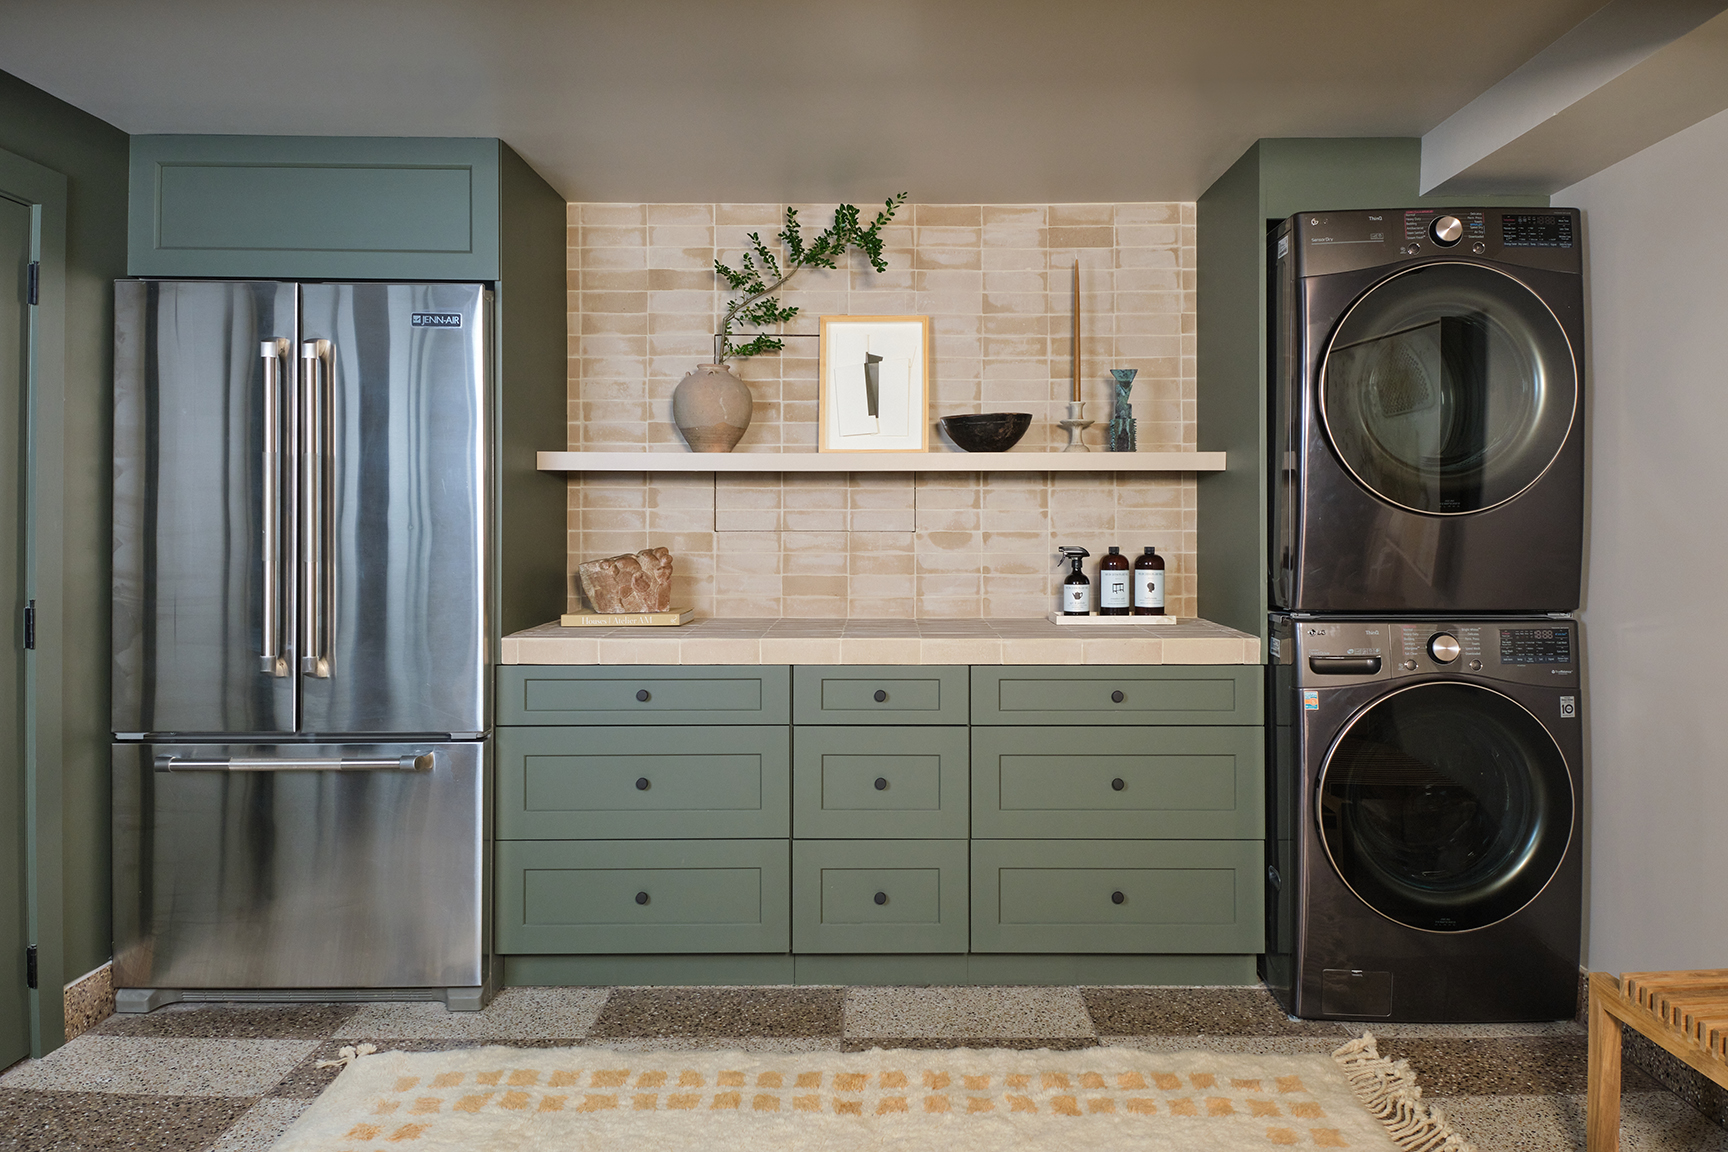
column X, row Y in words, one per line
column 643, row 694
column 1117, row 694
column 878, row 694
column 376, row 208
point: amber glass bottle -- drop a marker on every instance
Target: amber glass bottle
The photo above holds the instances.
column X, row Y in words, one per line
column 1113, row 596
column 1149, row 583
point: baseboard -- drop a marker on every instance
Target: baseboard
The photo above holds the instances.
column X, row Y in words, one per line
column 89, row 1000
column 954, row 969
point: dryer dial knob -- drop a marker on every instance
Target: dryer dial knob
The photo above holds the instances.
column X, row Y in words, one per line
column 1447, row 231
column 1444, row 647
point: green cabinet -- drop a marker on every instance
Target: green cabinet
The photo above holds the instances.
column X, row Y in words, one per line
column 1014, row 821
column 645, row 694
column 1131, row 783
column 880, row 783
column 1125, row 695
column 642, row 782
column 304, row 207
column 599, row 896
column 886, row 694
column 1117, row 896
column 862, row 896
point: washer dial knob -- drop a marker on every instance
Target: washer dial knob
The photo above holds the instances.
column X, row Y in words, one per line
column 1447, row 231
column 1444, row 647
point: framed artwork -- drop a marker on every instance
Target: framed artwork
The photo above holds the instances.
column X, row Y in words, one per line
column 873, row 391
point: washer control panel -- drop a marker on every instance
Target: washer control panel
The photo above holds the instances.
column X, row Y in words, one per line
column 1335, row 652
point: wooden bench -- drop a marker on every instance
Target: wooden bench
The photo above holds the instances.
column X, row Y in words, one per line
column 1685, row 1012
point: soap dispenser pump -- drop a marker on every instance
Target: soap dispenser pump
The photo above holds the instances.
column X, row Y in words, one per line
column 1076, row 589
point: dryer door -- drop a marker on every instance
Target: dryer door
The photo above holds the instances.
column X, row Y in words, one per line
column 1445, row 806
column 1448, row 389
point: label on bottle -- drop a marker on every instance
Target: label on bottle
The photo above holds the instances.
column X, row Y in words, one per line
column 1076, row 598
column 1112, row 589
column 1148, row 588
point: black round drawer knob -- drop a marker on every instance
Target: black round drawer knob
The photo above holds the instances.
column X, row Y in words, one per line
column 1117, row 897
column 881, row 784
column 881, row 695
column 642, row 897
column 642, row 695
column 1116, row 697
column 1118, row 784
column 641, row 783
column 881, row 897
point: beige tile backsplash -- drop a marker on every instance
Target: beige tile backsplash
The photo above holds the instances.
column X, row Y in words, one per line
column 994, row 279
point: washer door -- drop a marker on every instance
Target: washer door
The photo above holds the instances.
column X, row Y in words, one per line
column 1445, row 806
column 1448, row 389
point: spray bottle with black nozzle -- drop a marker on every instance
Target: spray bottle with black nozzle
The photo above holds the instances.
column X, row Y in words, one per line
column 1076, row 589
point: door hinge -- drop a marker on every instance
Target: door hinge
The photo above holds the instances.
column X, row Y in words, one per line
column 30, row 625
column 35, row 278
column 30, row 966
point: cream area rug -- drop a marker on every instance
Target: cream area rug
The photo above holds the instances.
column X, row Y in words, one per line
column 955, row 1100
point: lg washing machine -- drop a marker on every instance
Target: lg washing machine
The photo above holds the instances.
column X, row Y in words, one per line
column 1427, row 441
column 1423, row 823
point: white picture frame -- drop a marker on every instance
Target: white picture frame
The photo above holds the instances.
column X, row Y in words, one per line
column 873, row 392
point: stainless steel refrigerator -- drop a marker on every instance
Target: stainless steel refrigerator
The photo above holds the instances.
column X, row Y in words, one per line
column 300, row 703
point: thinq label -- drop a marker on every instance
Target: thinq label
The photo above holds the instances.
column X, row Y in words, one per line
column 436, row 319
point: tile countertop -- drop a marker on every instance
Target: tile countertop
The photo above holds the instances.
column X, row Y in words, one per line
column 789, row 641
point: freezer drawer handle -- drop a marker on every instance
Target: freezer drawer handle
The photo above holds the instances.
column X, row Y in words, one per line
column 421, row 763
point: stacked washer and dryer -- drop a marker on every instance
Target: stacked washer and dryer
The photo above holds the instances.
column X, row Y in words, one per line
column 1427, row 519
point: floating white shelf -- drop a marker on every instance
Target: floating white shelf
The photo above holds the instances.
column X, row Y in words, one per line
column 880, row 461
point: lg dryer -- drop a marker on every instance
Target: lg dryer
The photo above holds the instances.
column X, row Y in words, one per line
column 1427, row 440
column 1423, row 835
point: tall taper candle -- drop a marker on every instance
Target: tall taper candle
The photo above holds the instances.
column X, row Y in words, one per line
column 1076, row 396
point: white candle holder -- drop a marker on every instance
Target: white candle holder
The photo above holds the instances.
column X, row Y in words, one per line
column 1074, row 425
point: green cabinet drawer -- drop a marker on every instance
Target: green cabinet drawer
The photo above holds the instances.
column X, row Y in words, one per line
column 381, row 208
column 1201, row 896
column 1178, row 694
column 643, row 694
column 643, row 782
column 878, row 694
column 589, row 896
column 1198, row 783
column 879, row 896
column 879, row 783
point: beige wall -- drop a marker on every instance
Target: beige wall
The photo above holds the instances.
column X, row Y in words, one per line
column 644, row 303
column 1657, row 553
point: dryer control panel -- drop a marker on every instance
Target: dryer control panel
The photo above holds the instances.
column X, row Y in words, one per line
column 1338, row 652
column 1328, row 242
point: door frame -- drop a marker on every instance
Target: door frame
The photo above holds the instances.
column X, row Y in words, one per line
column 43, row 191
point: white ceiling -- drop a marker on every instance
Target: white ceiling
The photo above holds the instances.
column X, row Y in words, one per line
column 956, row 101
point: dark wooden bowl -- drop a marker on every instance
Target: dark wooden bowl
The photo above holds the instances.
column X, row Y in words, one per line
column 988, row 431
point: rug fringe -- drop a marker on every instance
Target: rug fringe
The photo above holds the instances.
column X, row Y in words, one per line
column 346, row 1055
column 1391, row 1093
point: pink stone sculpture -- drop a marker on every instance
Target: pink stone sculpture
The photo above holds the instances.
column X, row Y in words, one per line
column 639, row 583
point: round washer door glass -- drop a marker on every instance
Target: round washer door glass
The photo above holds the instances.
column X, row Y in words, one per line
column 1448, row 388
column 1445, row 807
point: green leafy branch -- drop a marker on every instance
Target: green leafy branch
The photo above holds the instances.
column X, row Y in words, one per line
column 759, row 273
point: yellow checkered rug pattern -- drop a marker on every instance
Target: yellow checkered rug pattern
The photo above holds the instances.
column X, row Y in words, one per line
column 587, row 1098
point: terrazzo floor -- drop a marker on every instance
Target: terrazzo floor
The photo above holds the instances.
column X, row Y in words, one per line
column 230, row 1077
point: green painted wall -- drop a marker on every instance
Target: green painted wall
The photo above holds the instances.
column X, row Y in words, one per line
column 92, row 155
column 1274, row 179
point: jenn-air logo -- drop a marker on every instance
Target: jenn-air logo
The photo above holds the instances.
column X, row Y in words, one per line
column 436, row 320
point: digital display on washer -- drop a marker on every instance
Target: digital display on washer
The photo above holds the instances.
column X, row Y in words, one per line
column 1535, row 230
column 1535, row 646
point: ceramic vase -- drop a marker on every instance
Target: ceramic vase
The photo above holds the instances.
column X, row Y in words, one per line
column 711, row 407
column 1119, row 433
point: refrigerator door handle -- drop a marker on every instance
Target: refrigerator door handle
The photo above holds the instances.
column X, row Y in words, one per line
column 271, row 662
column 315, row 454
column 424, row 762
